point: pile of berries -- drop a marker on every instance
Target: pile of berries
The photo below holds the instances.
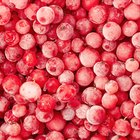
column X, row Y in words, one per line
column 69, row 69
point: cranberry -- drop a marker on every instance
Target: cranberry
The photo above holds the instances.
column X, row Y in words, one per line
column 11, row 84
column 69, row 69
column 46, row 103
column 48, row 18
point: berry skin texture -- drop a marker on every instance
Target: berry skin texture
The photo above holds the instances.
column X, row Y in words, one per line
column 5, row 15
column 40, row 29
column 65, row 31
column 59, row 14
column 100, row 82
column 122, row 127
column 101, row 69
column 51, row 85
column 121, row 3
column 92, row 96
column 115, row 15
column 46, row 103
column 49, row 49
column 84, row 76
column 124, row 51
column 71, row 61
column 131, row 12
column 129, row 28
column 135, row 76
column 135, row 94
column 27, row 41
column 111, row 87
column 53, row 135
column 13, row 53
column 65, row 92
column 11, row 129
column 48, row 15
column 57, row 123
column 131, row 65
column 136, row 40
column 70, row 69
column 97, row 14
column 72, row 5
column 136, row 111
column 95, row 115
column 19, row 110
column 111, row 31
column 30, row 123
column 124, row 82
column 19, row 5
column 118, row 68
column 4, row 103
column 84, row 26
column 90, row 3
column 87, row 55
column 55, row 66
column 11, row 84
column 135, row 123
column 30, row 11
column 94, row 40
column 112, row 101
column 31, row 91
column 22, row 26
column 126, row 109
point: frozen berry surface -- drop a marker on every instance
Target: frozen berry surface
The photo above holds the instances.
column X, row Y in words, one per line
column 69, row 69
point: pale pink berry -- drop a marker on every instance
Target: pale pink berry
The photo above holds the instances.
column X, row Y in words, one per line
column 19, row 5
column 111, row 87
column 94, row 40
column 124, row 51
column 30, row 11
column 131, row 12
column 72, row 5
column 49, row 49
column 100, row 82
column 59, row 14
column 122, row 127
column 111, row 31
column 55, row 66
column 136, row 40
column 45, row 15
column 39, row 28
column 31, row 91
column 68, row 113
column 91, row 96
column 65, row 31
column 109, row 101
column 23, row 26
column 84, row 76
column 101, row 68
column 129, row 28
column 88, row 57
column 121, row 3
column 135, row 76
column 81, row 111
column 5, row 15
column 96, row 115
column 136, row 110
column 98, row 14
column 131, row 65
column 124, row 82
column 53, row 135
column 27, row 41
column 135, row 94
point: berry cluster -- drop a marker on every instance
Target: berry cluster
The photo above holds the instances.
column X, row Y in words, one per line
column 69, row 69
